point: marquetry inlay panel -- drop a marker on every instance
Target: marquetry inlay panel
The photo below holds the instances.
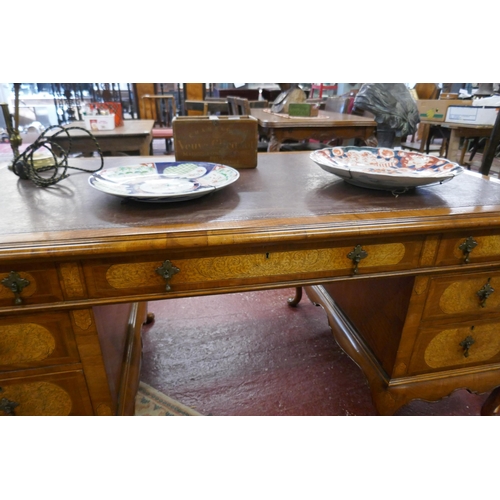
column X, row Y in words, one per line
column 38, row 399
column 461, row 296
column 82, row 318
column 429, row 250
column 24, row 342
column 72, row 282
column 445, row 349
column 254, row 265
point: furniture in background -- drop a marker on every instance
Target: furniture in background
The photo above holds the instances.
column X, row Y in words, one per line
column 162, row 109
column 320, row 87
column 77, row 269
column 323, row 128
column 133, row 137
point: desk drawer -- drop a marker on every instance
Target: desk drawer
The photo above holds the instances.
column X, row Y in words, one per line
column 58, row 394
column 36, row 340
column 456, row 346
column 34, row 285
column 459, row 295
column 475, row 246
column 131, row 277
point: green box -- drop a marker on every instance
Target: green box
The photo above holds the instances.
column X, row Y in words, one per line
column 299, row 109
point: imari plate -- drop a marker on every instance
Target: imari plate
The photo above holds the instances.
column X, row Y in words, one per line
column 384, row 168
column 164, row 181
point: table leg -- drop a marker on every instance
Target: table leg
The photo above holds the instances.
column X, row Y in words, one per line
column 274, row 144
column 454, row 145
column 145, row 146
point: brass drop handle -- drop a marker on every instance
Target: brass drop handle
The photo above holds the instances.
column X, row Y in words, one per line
column 15, row 284
column 467, row 246
column 166, row 271
column 484, row 293
column 7, row 406
column 466, row 344
column 356, row 255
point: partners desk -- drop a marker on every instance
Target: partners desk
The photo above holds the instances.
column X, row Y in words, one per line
column 406, row 281
column 328, row 125
column 133, row 137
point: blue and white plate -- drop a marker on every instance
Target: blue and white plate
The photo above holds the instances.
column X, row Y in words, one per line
column 164, row 181
column 384, row 168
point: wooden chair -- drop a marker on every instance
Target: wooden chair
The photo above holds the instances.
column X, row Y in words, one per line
column 162, row 109
column 320, row 87
column 238, row 105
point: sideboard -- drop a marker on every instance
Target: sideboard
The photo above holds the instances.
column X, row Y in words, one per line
column 410, row 283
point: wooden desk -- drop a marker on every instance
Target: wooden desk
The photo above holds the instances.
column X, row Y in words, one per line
column 327, row 126
column 70, row 339
column 134, row 136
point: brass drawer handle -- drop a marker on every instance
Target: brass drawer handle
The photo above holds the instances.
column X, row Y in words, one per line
column 15, row 283
column 7, row 406
column 166, row 271
column 356, row 255
column 467, row 246
column 466, row 344
column 484, row 293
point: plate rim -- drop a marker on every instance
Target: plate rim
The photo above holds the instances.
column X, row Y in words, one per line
column 185, row 195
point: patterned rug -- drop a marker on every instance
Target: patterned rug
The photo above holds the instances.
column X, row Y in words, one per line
column 152, row 403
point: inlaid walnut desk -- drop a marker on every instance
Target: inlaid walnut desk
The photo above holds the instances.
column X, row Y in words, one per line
column 327, row 126
column 133, row 137
column 77, row 268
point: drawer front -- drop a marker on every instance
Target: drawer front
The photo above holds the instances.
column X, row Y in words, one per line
column 27, row 285
column 59, row 394
column 457, row 295
column 113, row 278
column 36, row 340
column 456, row 346
column 475, row 247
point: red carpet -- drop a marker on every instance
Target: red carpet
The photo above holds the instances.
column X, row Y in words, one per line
column 252, row 354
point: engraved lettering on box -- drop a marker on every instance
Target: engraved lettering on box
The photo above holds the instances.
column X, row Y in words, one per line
column 25, row 342
column 445, row 349
column 82, row 318
column 487, row 246
column 461, row 296
column 72, row 281
column 38, row 399
column 253, row 265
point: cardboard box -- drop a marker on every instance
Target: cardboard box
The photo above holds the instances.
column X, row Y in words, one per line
column 99, row 122
column 436, row 109
column 472, row 115
column 229, row 140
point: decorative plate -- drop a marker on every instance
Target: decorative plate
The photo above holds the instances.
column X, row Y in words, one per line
column 386, row 169
column 164, row 182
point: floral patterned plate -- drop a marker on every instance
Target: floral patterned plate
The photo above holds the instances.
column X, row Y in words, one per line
column 164, row 182
column 384, row 168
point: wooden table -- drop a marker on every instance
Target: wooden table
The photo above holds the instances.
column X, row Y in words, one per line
column 327, row 126
column 133, row 137
column 77, row 268
column 459, row 131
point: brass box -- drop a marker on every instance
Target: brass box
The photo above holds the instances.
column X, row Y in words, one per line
column 230, row 140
